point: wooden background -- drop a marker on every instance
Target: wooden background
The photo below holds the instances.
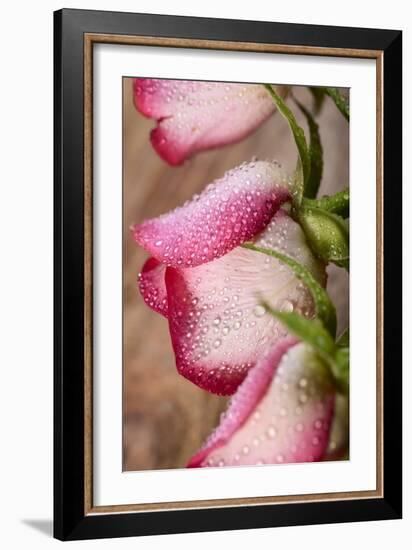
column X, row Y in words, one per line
column 166, row 417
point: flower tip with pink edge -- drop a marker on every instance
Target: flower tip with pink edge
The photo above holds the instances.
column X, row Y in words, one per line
column 281, row 413
column 230, row 211
column 193, row 116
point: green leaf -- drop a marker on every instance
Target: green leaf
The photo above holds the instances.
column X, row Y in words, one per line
column 327, row 234
column 318, row 94
column 340, row 102
column 325, row 310
column 337, row 204
column 315, row 153
column 303, row 167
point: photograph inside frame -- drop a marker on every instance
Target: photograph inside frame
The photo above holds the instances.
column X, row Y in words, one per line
column 235, row 274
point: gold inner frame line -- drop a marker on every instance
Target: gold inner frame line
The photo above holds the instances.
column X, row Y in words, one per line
column 89, row 40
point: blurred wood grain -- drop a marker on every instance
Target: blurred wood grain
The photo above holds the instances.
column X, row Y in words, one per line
column 166, row 418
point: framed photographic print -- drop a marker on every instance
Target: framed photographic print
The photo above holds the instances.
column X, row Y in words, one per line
column 227, row 274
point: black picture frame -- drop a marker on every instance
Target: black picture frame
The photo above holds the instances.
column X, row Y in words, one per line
column 71, row 521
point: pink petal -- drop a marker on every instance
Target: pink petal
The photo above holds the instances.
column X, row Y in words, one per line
column 281, row 413
column 218, row 329
column 151, row 281
column 193, row 116
column 229, row 211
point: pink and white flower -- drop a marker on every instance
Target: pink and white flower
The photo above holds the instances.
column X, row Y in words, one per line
column 281, row 413
column 193, row 116
column 210, row 288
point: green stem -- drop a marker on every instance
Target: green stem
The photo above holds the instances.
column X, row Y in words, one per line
column 337, row 204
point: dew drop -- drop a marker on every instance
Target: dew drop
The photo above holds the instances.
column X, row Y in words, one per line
column 287, row 306
column 303, row 398
column 259, row 311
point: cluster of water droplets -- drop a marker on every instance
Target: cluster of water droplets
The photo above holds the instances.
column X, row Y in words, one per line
column 182, row 96
column 209, row 318
column 153, row 289
column 187, row 113
column 291, row 422
column 227, row 213
column 221, row 324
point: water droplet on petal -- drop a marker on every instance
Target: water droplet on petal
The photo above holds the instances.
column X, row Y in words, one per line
column 287, row 306
column 259, row 311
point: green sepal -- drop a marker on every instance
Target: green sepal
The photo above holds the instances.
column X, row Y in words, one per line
column 324, row 308
column 327, row 235
column 336, row 204
column 302, row 172
column 340, row 368
column 315, row 154
column 313, row 332
column 310, row 331
column 343, row 340
column 340, row 102
column 318, row 94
